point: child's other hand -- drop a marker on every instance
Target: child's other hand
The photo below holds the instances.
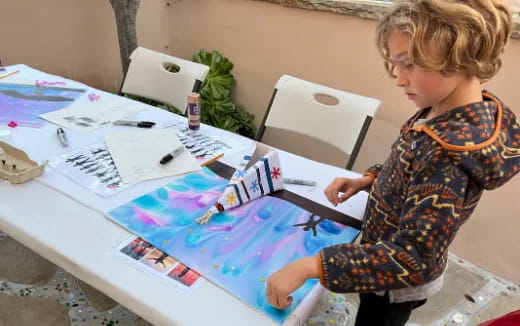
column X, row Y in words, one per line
column 347, row 187
column 285, row 281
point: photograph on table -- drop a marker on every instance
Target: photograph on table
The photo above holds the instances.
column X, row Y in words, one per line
column 159, row 260
column 24, row 103
column 137, row 248
column 184, row 274
column 154, row 262
column 238, row 249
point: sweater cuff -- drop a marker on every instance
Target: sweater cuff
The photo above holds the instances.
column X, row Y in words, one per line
column 373, row 171
column 320, row 269
column 370, row 174
column 335, row 268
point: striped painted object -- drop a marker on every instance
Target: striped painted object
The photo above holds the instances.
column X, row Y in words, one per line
column 250, row 181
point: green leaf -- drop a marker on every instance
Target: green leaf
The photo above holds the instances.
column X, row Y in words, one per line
column 217, row 108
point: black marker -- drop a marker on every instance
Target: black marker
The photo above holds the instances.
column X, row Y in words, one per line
column 140, row 124
column 171, row 155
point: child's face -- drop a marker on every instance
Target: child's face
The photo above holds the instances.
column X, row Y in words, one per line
column 424, row 87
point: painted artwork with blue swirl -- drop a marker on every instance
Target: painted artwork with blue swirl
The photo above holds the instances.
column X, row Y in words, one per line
column 238, row 249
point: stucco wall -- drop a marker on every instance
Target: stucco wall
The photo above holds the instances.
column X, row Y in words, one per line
column 77, row 39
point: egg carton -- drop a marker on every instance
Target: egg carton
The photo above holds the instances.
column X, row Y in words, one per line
column 16, row 166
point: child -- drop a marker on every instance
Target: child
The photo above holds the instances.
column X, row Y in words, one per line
column 461, row 141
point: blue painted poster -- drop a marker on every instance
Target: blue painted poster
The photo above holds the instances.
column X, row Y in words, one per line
column 238, row 249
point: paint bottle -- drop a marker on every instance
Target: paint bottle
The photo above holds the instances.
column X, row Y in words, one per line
column 193, row 112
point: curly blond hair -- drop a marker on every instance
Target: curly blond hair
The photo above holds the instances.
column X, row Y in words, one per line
column 468, row 35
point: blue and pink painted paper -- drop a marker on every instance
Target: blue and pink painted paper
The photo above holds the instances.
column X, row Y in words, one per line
column 23, row 103
column 238, row 249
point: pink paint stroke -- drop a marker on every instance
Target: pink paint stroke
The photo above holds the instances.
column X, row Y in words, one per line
column 221, row 228
column 147, row 218
column 48, row 83
column 93, row 97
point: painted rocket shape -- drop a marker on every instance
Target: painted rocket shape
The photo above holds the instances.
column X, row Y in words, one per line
column 256, row 176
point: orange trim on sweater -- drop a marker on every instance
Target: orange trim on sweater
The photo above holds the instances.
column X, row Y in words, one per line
column 370, row 174
column 488, row 142
column 320, row 269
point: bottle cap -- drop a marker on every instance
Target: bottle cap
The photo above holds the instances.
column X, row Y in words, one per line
column 193, row 97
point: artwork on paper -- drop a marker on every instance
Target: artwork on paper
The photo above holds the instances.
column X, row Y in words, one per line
column 202, row 146
column 24, row 103
column 257, row 175
column 239, row 248
column 92, row 167
column 93, row 113
column 157, row 263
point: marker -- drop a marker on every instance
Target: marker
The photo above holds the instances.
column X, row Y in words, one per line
column 140, row 124
column 299, row 182
column 213, row 159
column 62, row 137
column 171, row 155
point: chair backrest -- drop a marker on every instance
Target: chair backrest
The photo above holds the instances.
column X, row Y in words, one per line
column 147, row 77
column 294, row 107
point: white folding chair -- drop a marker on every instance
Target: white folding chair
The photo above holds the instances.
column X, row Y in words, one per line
column 296, row 106
column 147, row 77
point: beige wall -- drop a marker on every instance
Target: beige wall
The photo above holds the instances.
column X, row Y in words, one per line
column 77, row 39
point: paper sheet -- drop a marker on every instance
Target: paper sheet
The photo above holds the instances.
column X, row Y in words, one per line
column 137, row 154
column 93, row 113
column 92, row 167
column 204, row 146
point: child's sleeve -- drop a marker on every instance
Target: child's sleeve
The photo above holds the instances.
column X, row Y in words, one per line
column 373, row 171
column 431, row 215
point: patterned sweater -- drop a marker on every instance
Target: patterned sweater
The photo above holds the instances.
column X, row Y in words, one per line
column 427, row 188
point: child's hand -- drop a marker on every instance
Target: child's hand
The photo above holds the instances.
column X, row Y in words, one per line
column 348, row 187
column 282, row 283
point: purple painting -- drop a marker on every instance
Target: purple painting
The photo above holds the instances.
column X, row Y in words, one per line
column 23, row 103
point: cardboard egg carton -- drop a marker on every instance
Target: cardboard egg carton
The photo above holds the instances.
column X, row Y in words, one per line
column 16, row 166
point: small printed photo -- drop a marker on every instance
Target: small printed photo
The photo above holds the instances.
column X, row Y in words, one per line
column 159, row 260
column 184, row 274
column 137, row 249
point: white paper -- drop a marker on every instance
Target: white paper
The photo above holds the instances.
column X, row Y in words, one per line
column 92, row 167
column 204, row 147
column 87, row 114
column 137, row 154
